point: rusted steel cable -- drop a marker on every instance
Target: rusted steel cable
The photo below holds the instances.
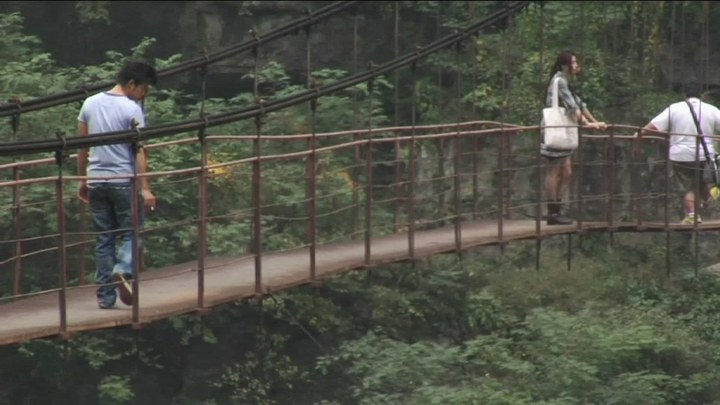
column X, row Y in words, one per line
column 267, row 107
column 198, row 62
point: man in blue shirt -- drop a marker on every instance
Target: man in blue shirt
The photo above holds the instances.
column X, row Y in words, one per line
column 109, row 170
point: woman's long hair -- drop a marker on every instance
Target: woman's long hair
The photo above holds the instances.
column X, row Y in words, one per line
column 563, row 59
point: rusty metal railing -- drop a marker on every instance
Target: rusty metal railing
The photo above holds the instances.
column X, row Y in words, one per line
column 216, row 204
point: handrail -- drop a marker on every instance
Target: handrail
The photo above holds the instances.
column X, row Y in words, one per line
column 197, row 290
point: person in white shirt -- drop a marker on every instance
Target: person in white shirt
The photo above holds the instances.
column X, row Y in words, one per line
column 686, row 151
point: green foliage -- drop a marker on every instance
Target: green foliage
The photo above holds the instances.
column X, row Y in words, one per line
column 588, row 355
column 486, row 329
column 254, row 379
column 15, row 47
column 115, row 390
column 90, row 11
column 191, row 328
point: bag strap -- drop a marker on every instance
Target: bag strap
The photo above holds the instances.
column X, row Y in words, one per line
column 710, row 160
column 555, row 92
column 699, row 131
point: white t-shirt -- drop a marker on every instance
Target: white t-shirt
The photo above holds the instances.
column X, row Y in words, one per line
column 678, row 121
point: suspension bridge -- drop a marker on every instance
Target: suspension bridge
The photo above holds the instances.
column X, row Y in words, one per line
column 393, row 194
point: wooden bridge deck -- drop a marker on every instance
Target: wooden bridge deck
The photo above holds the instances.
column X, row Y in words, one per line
column 173, row 290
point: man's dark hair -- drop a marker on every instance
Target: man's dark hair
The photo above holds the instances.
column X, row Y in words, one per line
column 139, row 72
column 692, row 89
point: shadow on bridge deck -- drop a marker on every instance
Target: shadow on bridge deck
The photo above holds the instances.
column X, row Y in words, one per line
column 173, row 290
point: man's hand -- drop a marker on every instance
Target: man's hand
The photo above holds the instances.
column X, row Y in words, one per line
column 83, row 192
column 148, row 199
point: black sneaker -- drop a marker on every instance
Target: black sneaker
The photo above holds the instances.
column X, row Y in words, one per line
column 124, row 288
column 557, row 219
column 106, row 304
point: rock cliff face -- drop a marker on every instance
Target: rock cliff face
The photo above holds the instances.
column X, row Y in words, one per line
column 81, row 32
column 193, row 27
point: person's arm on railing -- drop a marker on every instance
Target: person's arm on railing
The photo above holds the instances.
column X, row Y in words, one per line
column 590, row 120
column 648, row 129
column 585, row 117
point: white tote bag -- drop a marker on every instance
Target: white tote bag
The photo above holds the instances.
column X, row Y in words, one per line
column 561, row 131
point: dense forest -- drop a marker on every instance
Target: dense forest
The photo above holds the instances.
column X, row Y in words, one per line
column 481, row 327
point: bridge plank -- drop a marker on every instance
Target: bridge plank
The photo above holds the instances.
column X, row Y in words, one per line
column 173, row 290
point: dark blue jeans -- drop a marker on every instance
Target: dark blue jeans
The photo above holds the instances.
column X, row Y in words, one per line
column 111, row 208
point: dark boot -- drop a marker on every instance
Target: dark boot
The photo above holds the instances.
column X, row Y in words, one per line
column 554, row 217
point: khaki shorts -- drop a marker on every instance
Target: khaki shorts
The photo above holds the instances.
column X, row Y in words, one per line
column 687, row 177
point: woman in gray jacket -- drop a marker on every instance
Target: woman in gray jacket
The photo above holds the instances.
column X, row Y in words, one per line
column 558, row 163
